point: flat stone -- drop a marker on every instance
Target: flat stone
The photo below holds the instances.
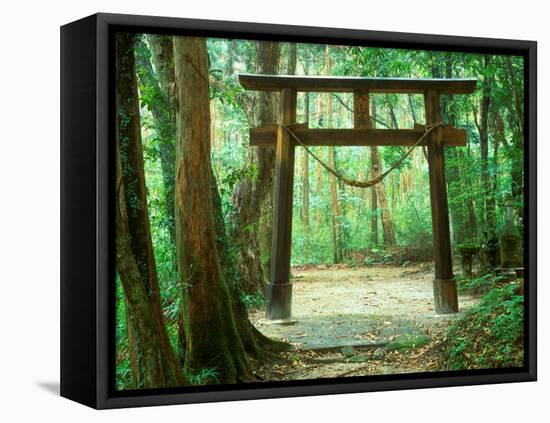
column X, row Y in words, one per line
column 280, row 322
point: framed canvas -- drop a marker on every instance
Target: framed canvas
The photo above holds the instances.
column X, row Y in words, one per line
column 258, row 211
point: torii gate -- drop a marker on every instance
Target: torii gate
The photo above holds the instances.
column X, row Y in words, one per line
column 279, row 290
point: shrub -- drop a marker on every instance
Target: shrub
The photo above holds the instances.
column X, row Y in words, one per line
column 490, row 334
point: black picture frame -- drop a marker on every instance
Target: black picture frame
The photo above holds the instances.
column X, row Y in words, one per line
column 87, row 236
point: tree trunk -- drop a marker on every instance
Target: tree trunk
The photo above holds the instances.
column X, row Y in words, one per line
column 250, row 193
column 161, row 82
column 305, row 178
column 291, row 64
column 255, row 343
column 305, row 166
column 320, row 150
column 393, row 116
column 457, row 208
column 411, row 107
column 335, row 206
column 213, row 340
column 517, row 125
column 231, row 57
column 483, row 128
column 373, row 196
column 135, row 258
column 132, row 354
column 387, row 225
column 471, row 219
column 162, row 55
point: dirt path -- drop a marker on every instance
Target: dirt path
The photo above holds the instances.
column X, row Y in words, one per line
column 370, row 320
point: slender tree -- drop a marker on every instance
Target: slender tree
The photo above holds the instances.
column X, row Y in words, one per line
column 305, row 166
column 157, row 76
column 516, row 122
column 380, row 197
column 157, row 82
column 482, row 123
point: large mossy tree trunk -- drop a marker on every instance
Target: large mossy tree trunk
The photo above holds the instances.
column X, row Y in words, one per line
column 255, row 343
column 213, row 339
column 250, row 193
column 135, row 260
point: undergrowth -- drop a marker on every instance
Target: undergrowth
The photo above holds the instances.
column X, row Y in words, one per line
column 490, row 334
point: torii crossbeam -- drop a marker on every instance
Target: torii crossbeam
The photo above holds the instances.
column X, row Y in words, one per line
column 279, row 290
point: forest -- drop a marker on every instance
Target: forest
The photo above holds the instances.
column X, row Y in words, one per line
column 195, row 205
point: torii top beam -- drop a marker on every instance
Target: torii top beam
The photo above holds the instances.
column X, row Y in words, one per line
column 350, row 84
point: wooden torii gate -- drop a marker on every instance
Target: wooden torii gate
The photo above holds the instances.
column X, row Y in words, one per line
column 279, row 289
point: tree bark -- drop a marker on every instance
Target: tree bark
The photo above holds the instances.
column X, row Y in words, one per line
column 483, row 128
column 461, row 233
column 305, row 177
column 518, row 141
column 160, row 81
column 132, row 354
column 335, row 206
column 305, row 166
column 255, row 343
column 373, row 196
column 213, row 340
column 387, row 225
column 250, row 193
column 135, row 258
column 162, row 56
column 291, row 64
column 319, row 152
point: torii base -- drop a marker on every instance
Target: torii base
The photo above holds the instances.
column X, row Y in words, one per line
column 279, row 301
column 445, row 296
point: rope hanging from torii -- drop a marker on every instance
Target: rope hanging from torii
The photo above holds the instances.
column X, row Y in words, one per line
column 355, row 183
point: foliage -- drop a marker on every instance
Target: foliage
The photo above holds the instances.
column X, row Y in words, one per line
column 204, row 377
column 490, row 334
column 123, row 371
column 253, row 301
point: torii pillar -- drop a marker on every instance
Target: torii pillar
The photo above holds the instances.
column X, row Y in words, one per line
column 279, row 288
column 444, row 284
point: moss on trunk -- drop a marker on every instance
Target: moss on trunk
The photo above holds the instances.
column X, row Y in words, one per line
column 213, row 340
column 134, row 249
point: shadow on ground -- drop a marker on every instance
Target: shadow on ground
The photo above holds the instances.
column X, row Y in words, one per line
column 51, row 387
